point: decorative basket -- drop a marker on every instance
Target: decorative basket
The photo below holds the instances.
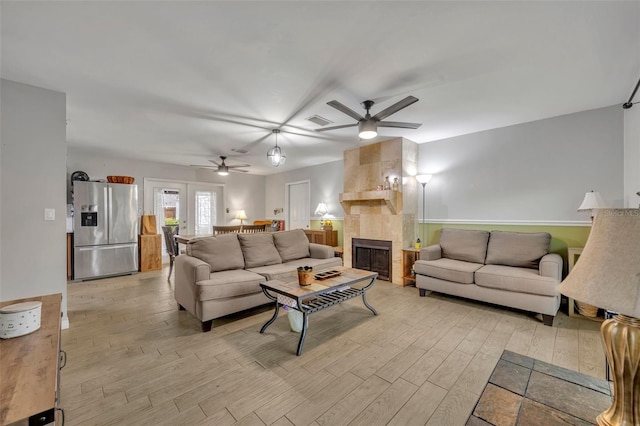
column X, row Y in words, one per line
column 305, row 277
column 586, row 310
column 120, row 179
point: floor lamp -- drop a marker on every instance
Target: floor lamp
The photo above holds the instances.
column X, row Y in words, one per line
column 608, row 276
column 424, row 180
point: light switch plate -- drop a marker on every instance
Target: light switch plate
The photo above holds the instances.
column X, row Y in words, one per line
column 49, row 214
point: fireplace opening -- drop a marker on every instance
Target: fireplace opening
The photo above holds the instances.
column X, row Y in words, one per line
column 372, row 255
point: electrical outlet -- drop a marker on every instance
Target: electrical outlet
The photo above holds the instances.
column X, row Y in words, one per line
column 49, row 214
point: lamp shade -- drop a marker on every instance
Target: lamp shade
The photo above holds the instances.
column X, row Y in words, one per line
column 322, row 209
column 242, row 215
column 608, row 273
column 424, row 179
column 592, row 200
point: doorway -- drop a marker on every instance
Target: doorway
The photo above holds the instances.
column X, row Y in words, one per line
column 194, row 207
column 297, row 201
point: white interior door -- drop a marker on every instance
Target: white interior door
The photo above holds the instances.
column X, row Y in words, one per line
column 297, row 201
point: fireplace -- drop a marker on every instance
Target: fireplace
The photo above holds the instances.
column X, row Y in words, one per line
column 372, row 255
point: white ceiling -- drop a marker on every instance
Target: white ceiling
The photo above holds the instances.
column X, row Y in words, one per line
column 183, row 82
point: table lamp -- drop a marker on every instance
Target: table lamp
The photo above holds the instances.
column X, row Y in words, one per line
column 608, row 275
column 322, row 210
column 242, row 216
column 592, row 200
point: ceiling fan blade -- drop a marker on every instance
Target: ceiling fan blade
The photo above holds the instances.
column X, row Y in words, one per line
column 395, row 107
column 336, row 127
column 215, row 162
column 345, row 109
column 235, row 166
column 399, row 124
column 204, row 167
column 238, row 170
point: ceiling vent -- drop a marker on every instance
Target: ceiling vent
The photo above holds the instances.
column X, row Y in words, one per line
column 320, row 121
column 239, row 150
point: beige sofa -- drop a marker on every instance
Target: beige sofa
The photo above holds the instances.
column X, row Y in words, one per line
column 506, row 268
column 221, row 275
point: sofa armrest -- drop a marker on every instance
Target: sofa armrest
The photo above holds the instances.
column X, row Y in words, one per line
column 551, row 266
column 433, row 252
column 189, row 271
column 321, row 251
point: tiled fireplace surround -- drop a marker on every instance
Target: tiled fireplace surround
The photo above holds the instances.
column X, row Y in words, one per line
column 381, row 215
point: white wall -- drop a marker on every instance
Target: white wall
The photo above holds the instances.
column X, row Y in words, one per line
column 241, row 191
column 632, row 156
column 536, row 172
column 326, row 183
column 33, row 163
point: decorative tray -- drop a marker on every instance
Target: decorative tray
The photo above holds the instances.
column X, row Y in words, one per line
column 326, row 274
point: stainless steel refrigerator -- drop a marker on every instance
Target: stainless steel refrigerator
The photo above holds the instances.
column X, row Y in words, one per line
column 105, row 229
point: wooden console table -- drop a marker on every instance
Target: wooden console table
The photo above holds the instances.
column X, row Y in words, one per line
column 527, row 391
column 320, row 236
column 409, row 257
column 30, row 369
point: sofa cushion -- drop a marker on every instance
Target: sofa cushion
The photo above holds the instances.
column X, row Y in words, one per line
column 520, row 249
column 221, row 252
column 258, row 249
column 447, row 269
column 520, row 280
column 225, row 284
column 464, row 244
column 289, row 271
column 291, row 245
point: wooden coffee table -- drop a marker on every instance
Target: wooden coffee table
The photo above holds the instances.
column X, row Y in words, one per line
column 319, row 295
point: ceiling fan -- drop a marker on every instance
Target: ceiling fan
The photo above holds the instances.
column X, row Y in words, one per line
column 223, row 169
column 368, row 125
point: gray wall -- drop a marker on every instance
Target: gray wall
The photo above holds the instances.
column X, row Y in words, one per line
column 533, row 172
column 33, row 164
column 241, row 191
column 326, row 184
column 632, row 157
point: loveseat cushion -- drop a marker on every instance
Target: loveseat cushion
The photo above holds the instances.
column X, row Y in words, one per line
column 291, row 245
column 519, row 280
column 447, row 269
column 520, row 249
column 258, row 249
column 225, row 284
column 464, row 244
column 221, row 252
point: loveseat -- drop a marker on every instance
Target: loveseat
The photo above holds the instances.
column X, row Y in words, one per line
column 221, row 275
column 505, row 268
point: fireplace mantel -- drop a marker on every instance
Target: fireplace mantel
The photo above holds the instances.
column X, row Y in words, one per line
column 393, row 199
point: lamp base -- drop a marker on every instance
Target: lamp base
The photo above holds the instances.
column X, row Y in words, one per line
column 621, row 336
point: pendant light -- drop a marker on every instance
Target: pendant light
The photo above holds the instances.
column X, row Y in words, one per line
column 275, row 155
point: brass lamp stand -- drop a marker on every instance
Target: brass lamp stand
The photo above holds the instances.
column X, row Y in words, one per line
column 621, row 336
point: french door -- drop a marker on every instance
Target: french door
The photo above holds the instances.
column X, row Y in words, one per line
column 194, row 207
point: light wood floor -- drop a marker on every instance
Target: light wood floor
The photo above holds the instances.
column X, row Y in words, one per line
column 134, row 359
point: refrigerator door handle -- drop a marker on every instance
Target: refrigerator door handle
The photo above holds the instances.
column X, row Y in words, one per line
column 107, row 247
column 108, row 198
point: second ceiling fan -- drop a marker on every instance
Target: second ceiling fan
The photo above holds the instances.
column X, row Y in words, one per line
column 368, row 125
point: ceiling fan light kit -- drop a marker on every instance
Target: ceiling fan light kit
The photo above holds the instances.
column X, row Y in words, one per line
column 368, row 129
column 275, row 155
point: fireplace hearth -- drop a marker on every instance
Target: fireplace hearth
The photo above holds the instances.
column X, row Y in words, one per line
column 372, row 255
